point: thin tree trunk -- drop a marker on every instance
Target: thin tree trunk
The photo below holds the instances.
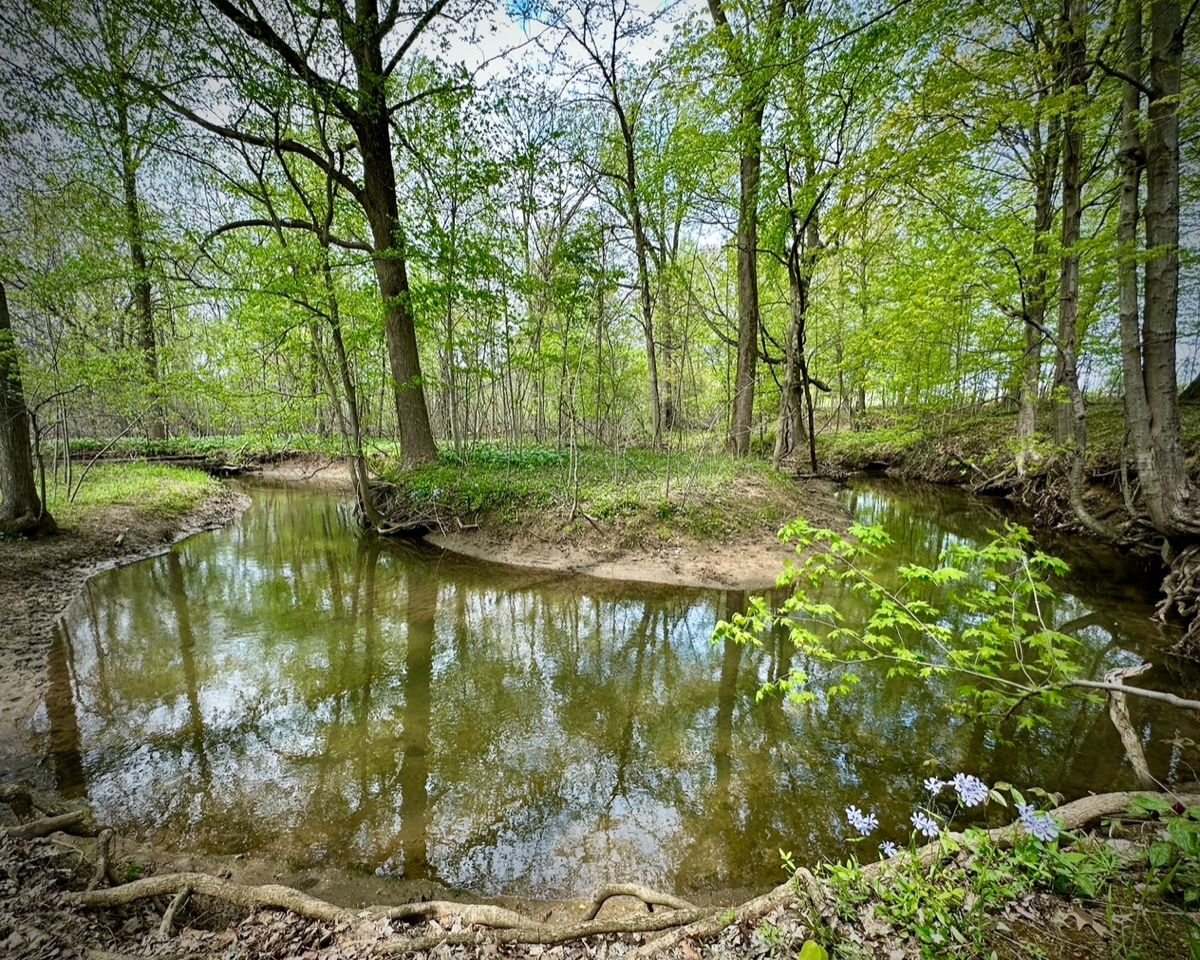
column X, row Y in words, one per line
column 20, row 509
column 1071, row 414
column 142, row 294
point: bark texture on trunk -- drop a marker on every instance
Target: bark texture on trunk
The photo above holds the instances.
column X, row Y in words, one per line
column 746, row 366
column 1071, row 412
column 1171, row 497
column 754, row 77
column 21, row 510
column 1044, row 163
column 371, row 126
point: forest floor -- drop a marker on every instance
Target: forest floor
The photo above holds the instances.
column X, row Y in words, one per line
column 122, row 513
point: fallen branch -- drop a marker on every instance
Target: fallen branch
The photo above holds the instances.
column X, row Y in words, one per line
column 651, row 898
column 1108, row 686
column 1118, row 712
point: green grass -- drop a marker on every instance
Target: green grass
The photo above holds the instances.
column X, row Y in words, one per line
column 157, row 491
column 695, row 492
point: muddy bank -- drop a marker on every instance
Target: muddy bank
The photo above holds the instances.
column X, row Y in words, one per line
column 752, row 562
column 39, row 578
column 748, row 557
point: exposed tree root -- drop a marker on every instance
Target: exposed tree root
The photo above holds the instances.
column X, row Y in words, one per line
column 498, row 925
column 104, row 867
column 552, row 933
column 474, row 914
column 651, row 898
column 168, row 917
column 1076, row 814
column 47, row 825
column 1181, row 596
column 268, row 896
column 711, row 924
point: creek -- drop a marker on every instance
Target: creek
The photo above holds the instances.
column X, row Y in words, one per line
column 287, row 687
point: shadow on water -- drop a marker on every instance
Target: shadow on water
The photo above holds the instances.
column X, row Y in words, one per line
column 287, row 687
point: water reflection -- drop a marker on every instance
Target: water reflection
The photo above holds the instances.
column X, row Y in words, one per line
column 286, row 686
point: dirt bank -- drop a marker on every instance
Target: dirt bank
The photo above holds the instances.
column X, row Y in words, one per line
column 748, row 556
column 745, row 555
column 39, row 578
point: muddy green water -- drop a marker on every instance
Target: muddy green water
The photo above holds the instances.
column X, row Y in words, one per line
column 287, row 687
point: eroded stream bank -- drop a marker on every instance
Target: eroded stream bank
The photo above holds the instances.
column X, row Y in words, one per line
column 286, row 688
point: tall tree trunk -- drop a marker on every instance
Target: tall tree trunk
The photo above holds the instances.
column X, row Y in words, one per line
column 641, row 250
column 391, row 271
column 746, row 366
column 796, row 396
column 143, row 298
column 1071, row 414
column 1170, row 495
column 372, row 129
column 1047, row 147
column 21, row 511
column 1148, row 354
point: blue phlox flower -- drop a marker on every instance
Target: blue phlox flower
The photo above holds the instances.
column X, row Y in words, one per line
column 864, row 823
column 925, row 825
column 934, row 785
column 888, row 849
column 1045, row 828
column 971, row 790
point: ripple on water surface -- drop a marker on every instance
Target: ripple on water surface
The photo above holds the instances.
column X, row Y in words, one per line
column 286, row 686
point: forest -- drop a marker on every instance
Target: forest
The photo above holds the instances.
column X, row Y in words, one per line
column 900, row 297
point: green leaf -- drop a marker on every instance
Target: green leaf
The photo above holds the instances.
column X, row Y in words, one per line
column 813, row 951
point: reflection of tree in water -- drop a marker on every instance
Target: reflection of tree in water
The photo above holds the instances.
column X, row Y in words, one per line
column 64, row 747
column 286, row 684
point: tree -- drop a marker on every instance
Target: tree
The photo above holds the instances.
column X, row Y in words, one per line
column 1148, row 342
column 750, row 58
column 21, row 510
column 292, row 49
